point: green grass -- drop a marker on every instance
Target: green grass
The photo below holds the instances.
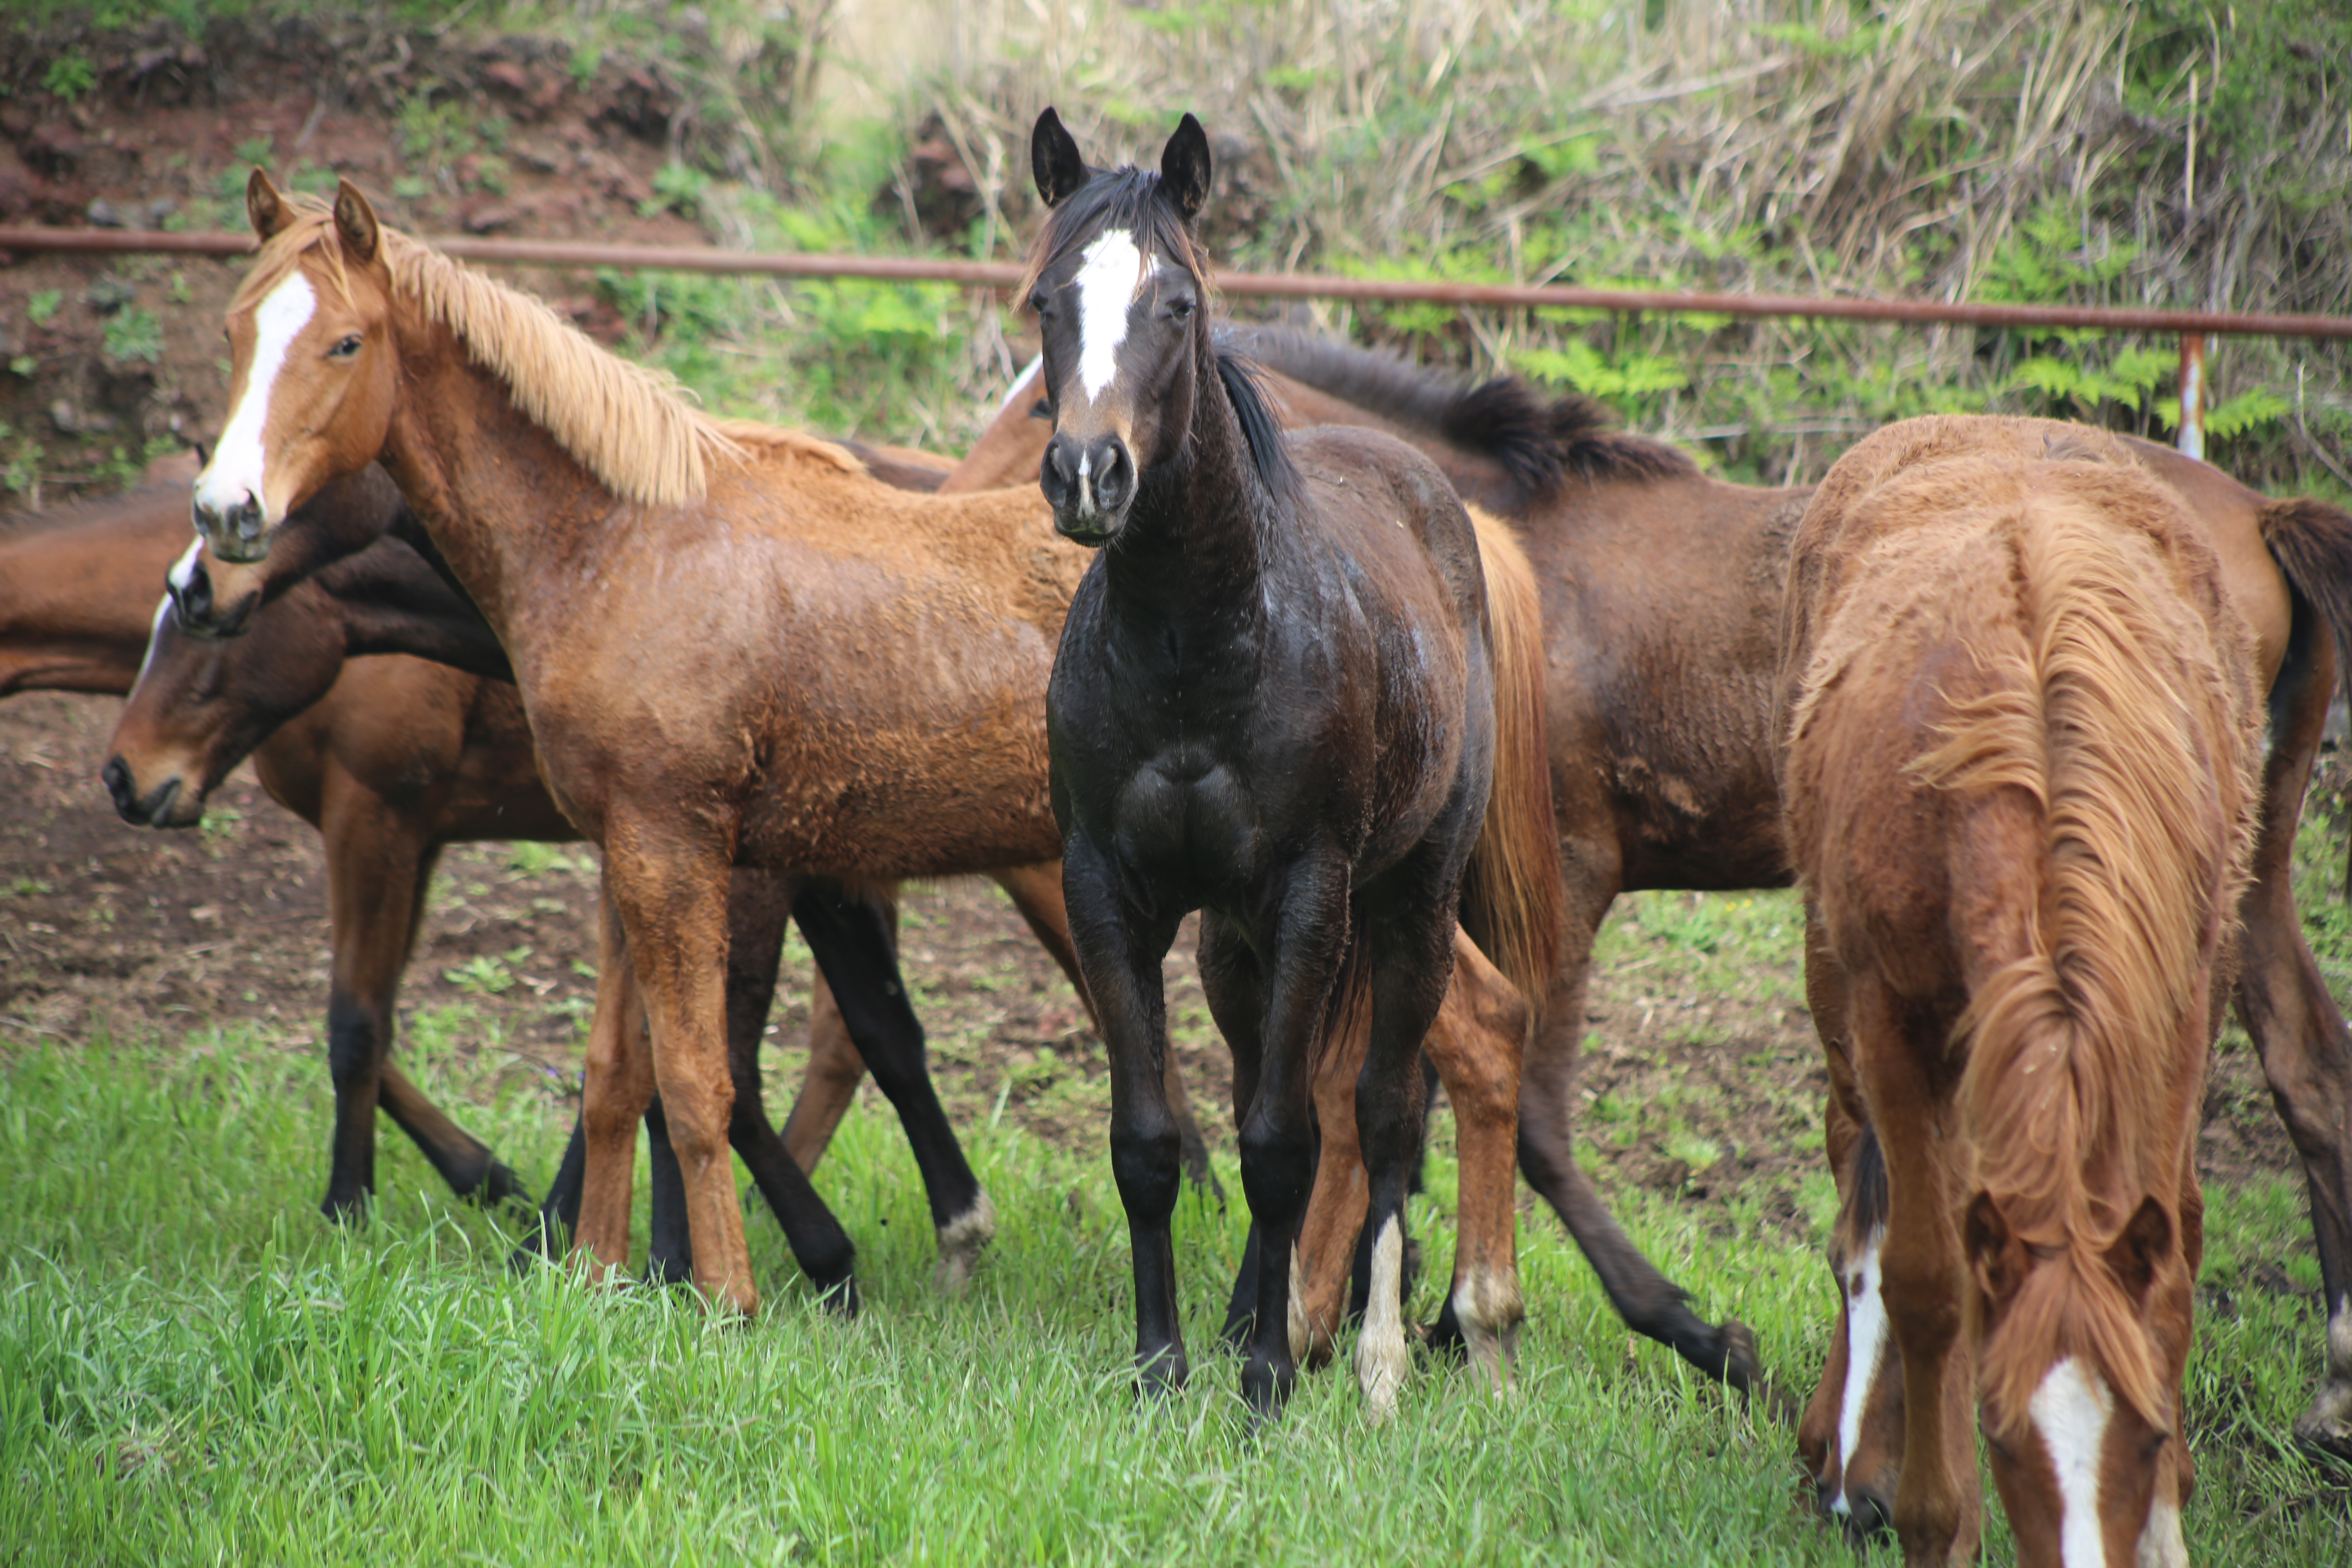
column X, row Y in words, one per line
column 194, row 1367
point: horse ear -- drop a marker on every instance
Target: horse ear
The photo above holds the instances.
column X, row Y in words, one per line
column 1995, row 1256
column 355, row 223
column 1054, row 159
column 264, row 207
column 1184, row 168
column 2144, row 1245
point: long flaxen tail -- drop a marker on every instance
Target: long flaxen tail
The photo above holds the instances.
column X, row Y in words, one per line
column 1512, row 901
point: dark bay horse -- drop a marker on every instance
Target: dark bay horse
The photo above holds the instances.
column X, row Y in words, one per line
column 1281, row 699
column 1662, row 593
column 733, row 643
column 2023, row 727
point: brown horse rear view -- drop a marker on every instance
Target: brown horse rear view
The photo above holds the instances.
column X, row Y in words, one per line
column 2020, row 781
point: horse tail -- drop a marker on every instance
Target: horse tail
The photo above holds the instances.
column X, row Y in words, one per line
column 2311, row 542
column 1513, row 903
column 2116, row 730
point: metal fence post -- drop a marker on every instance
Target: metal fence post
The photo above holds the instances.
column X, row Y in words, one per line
column 2192, row 394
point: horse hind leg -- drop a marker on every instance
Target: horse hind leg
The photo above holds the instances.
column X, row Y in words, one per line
column 1328, row 1234
column 1649, row 1303
column 1476, row 1043
column 1408, row 950
column 852, row 940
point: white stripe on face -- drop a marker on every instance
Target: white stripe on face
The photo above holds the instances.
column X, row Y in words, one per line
column 154, row 634
column 1866, row 1354
column 2071, row 1410
column 235, row 471
column 1107, row 284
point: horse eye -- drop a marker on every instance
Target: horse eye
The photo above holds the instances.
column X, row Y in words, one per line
column 1038, row 301
column 1180, row 308
column 346, row 348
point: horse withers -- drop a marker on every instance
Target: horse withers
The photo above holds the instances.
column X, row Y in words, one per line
column 2021, row 775
column 1281, row 699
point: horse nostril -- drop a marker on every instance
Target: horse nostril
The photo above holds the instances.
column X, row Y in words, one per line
column 116, row 776
column 246, row 518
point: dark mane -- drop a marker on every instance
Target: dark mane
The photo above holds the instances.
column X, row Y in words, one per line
column 1269, row 454
column 1125, row 197
column 1538, row 445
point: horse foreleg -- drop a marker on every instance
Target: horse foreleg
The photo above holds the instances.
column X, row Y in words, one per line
column 618, row 1087
column 757, row 902
column 1650, row 1303
column 1120, row 955
column 1938, row 1504
column 379, row 862
column 1850, row 1437
column 1037, row 893
column 852, row 940
column 1476, row 1043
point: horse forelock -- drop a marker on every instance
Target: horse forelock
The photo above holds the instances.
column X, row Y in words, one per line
column 629, row 425
column 1123, row 198
column 2121, row 709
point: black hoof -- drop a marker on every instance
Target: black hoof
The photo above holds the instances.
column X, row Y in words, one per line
column 345, row 1211
column 1743, row 1369
column 1164, row 1374
column 499, row 1187
column 667, row 1271
column 1267, row 1388
column 1444, row 1339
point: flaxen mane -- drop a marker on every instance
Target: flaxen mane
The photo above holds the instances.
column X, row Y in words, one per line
column 1539, row 444
column 628, row 426
column 2119, row 703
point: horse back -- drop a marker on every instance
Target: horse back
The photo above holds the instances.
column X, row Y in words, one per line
column 79, row 591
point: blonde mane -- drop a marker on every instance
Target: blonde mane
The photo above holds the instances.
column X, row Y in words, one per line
column 2120, row 704
column 629, row 425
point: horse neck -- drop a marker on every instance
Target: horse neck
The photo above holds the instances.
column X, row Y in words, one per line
column 1197, row 543
column 501, row 499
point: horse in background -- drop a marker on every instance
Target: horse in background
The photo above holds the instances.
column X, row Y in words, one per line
column 1287, row 689
column 2021, row 783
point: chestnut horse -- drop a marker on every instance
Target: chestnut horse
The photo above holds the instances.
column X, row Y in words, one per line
column 201, row 704
column 1282, row 698
column 2024, row 729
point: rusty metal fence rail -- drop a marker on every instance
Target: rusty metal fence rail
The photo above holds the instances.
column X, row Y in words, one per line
column 2193, row 326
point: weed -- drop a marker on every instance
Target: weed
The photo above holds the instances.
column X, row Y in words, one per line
column 490, row 974
column 530, row 858
column 25, row 886
column 42, row 307
column 71, row 76
column 133, row 334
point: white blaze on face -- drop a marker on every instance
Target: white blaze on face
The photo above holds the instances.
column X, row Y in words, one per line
column 235, row 471
column 1866, row 1354
column 155, row 634
column 2071, row 1410
column 1109, row 279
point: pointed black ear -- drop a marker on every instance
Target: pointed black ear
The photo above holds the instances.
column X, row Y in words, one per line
column 1995, row 1256
column 2144, row 1245
column 1184, row 168
column 356, row 221
column 264, row 207
column 1054, row 159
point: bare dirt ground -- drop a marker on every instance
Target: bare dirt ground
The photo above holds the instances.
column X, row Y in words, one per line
column 1702, row 1079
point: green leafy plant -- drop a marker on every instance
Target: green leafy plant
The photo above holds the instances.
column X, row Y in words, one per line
column 133, row 334
column 71, row 76
column 42, row 307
